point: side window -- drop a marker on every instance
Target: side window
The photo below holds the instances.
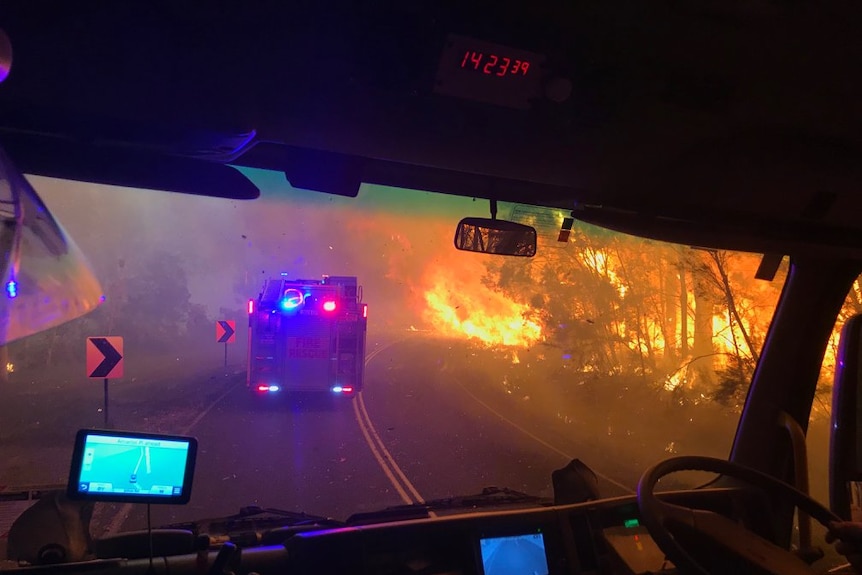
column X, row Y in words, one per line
column 819, row 421
column 821, row 410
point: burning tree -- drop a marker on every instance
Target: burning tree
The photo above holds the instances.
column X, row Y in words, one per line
column 682, row 319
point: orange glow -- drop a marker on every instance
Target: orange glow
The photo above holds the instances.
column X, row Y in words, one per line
column 722, row 335
column 457, row 307
column 604, row 266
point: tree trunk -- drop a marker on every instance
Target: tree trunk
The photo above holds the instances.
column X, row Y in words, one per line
column 667, row 303
column 731, row 305
column 702, row 348
column 683, row 309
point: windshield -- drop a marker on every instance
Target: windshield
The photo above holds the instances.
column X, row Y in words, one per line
column 478, row 370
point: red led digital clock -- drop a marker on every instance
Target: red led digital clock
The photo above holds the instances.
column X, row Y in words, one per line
column 493, row 65
column 490, row 73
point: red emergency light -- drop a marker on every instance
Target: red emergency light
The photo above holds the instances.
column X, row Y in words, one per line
column 329, row 305
column 250, row 307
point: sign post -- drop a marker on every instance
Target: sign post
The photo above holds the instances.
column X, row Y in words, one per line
column 225, row 333
column 105, row 361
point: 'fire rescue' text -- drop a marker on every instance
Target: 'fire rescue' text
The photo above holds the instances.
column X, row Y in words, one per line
column 307, row 348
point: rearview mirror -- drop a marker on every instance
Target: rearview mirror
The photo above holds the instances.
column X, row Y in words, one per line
column 498, row 237
column 845, row 447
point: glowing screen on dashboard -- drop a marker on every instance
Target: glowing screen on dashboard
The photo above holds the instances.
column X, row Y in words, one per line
column 124, row 466
column 514, row 555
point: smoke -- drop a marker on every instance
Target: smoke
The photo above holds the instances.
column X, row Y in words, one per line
column 397, row 242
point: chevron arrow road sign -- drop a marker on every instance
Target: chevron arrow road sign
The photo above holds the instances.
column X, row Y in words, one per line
column 226, row 331
column 105, row 357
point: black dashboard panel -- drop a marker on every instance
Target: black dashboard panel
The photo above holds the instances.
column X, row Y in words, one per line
column 589, row 538
column 600, row 537
column 438, row 546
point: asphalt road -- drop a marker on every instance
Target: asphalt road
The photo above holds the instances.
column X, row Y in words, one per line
column 40, row 411
column 437, row 418
column 407, row 438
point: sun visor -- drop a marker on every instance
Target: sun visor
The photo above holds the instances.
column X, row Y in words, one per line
column 46, row 279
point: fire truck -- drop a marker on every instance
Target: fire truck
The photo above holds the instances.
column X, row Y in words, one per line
column 307, row 335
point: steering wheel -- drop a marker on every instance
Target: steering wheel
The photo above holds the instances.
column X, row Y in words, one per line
column 731, row 537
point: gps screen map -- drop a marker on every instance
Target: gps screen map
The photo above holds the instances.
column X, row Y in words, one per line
column 131, row 467
column 523, row 553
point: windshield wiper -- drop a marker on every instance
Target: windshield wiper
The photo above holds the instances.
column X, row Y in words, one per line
column 255, row 525
column 489, row 497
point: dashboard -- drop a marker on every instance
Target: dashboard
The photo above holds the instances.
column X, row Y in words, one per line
column 595, row 537
column 588, row 538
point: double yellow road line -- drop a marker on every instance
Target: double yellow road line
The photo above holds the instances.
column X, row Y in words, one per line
column 405, row 489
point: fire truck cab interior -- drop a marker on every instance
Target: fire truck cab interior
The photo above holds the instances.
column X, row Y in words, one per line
column 720, row 125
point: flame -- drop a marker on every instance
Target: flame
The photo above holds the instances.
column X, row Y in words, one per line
column 675, row 380
column 723, row 334
column 727, row 338
column 458, row 308
column 603, row 265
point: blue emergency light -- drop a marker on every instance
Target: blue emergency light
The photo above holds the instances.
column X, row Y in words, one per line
column 293, row 298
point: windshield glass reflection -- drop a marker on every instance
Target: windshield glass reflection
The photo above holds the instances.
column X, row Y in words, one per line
column 46, row 280
column 479, row 370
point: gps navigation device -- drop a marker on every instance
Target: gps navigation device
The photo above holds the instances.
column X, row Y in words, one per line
column 131, row 467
